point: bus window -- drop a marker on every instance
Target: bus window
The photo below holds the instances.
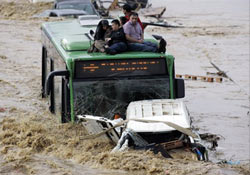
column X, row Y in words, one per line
column 109, row 97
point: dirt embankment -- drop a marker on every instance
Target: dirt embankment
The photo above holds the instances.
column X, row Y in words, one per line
column 22, row 9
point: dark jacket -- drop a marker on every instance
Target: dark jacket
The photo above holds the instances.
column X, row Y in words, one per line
column 117, row 36
column 100, row 33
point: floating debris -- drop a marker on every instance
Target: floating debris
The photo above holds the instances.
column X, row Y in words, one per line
column 203, row 78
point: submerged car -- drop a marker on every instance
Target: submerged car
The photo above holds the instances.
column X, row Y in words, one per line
column 82, row 5
column 67, row 8
column 68, row 13
column 135, row 4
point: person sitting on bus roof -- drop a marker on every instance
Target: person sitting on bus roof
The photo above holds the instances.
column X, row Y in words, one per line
column 135, row 37
column 117, row 41
column 128, row 11
column 102, row 32
column 123, row 20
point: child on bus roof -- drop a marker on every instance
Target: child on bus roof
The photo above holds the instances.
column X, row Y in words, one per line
column 123, row 20
column 117, row 42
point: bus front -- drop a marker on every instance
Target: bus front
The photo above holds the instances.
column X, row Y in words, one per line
column 105, row 87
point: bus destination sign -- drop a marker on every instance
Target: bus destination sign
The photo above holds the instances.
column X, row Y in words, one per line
column 120, row 68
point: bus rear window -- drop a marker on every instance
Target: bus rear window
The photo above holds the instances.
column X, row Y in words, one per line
column 120, row 68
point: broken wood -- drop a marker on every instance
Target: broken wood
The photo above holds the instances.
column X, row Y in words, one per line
column 219, row 80
column 187, row 76
column 203, row 78
column 153, row 12
column 210, row 79
column 178, row 76
column 172, row 144
column 113, row 5
column 194, row 78
column 162, row 24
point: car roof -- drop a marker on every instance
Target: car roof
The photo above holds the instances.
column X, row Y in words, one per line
column 67, row 1
column 67, row 12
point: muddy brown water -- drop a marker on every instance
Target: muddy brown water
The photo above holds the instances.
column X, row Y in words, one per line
column 217, row 32
column 34, row 142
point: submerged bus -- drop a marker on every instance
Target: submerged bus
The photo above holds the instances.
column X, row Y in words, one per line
column 77, row 82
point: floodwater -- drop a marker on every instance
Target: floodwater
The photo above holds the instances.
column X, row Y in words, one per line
column 31, row 139
column 217, row 32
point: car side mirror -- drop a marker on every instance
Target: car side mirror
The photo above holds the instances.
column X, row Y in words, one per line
column 179, row 88
column 91, row 32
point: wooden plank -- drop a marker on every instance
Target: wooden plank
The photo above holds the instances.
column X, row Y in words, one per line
column 113, row 5
column 194, row 78
column 210, row 79
column 219, row 80
column 153, row 12
column 203, row 78
column 178, row 76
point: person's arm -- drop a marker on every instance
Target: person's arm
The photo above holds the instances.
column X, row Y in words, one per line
column 142, row 37
column 127, row 34
column 117, row 36
column 108, row 33
column 98, row 35
column 139, row 21
column 132, row 40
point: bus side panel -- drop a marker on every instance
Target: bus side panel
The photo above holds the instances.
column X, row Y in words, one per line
column 44, row 69
column 66, row 113
column 54, row 61
column 170, row 65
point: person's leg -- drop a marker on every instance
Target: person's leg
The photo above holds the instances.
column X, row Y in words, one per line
column 91, row 49
column 148, row 43
column 99, row 44
column 150, row 47
column 162, row 46
column 135, row 47
column 140, row 47
column 118, row 47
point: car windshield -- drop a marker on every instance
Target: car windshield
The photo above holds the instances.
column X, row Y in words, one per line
column 109, row 97
column 78, row 6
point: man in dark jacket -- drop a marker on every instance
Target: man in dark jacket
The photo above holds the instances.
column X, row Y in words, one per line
column 117, row 42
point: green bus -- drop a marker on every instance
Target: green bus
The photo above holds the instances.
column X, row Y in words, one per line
column 77, row 82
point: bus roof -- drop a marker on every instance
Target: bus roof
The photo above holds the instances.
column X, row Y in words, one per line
column 72, row 41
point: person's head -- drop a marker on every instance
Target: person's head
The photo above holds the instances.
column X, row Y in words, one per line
column 126, row 9
column 105, row 24
column 133, row 18
column 123, row 20
column 115, row 24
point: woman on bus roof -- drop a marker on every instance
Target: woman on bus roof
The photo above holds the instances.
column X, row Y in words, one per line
column 103, row 31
